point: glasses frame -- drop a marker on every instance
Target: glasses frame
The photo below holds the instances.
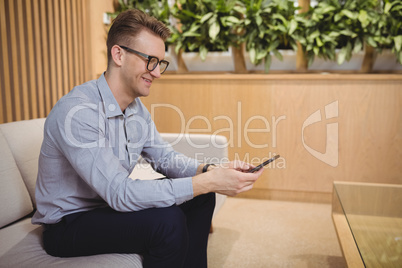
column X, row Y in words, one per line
column 148, row 57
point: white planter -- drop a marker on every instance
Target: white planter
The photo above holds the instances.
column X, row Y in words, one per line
column 215, row 61
column 355, row 63
column 171, row 57
column 386, row 61
column 288, row 62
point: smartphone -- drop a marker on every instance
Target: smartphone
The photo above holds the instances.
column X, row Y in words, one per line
column 263, row 164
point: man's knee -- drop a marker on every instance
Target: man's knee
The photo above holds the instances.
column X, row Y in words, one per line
column 204, row 203
column 170, row 230
column 168, row 243
column 210, row 199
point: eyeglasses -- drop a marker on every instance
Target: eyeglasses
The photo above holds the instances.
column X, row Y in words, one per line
column 152, row 61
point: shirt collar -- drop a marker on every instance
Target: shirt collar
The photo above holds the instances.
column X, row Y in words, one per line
column 130, row 110
column 112, row 108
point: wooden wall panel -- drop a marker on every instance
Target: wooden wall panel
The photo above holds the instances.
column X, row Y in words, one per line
column 263, row 115
column 44, row 53
column 5, row 96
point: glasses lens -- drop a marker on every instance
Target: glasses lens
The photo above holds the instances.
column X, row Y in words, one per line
column 163, row 66
column 152, row 63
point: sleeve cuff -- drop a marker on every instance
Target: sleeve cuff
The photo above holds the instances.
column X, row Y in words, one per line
column 183, row 189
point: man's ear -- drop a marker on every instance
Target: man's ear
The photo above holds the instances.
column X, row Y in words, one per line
column 117, row 56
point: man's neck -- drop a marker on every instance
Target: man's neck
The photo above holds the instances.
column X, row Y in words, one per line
column 122, row 98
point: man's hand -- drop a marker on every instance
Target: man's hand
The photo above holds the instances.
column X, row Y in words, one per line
column 228, row 179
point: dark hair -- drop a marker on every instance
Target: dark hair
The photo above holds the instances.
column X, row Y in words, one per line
column 128, row 24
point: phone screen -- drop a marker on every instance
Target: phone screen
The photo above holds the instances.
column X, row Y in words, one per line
column 263, row 164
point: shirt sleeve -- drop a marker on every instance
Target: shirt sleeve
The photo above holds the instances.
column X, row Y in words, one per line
column 165, row 160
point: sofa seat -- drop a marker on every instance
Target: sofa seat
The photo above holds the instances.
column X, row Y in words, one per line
column 22, row 247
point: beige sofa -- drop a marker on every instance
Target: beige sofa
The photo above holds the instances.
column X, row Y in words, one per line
column 20, row 241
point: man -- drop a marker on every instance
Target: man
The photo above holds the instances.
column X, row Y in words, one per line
column 93, row 137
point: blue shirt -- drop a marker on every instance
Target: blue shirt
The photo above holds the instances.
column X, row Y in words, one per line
column 89, row 149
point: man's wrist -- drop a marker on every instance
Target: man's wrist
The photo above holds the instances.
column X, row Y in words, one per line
column 206, row 166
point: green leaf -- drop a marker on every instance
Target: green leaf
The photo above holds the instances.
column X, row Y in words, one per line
column 261, row 54
column 371, row 41
column 334, row 34
column 282, row 28
column 240, row 9
column 206, row 17
column 328, row 9
column 316, row 50
column 292, row 26
column 277, row 54
column 191, row 34
column 349, row 14
column 253, row 55
column 192, row 46
column 267, row 64
column 348, row 32
column 319, row 42
column 232, row 19
column 214, row 30
column 203, row 52
column 337, row 17
column 387, row 7
column 178, row 47
column 316, row 17
column 188, row 13
column 363, row 18
column 358, row 46
column 280, row 17
column 398, row 42
column 267, row 10
column 192, row 31
column 258, row 20
column 330, row 53
column 314, row 34
column 274, row 45
column 310, row 60
column 342, row 55
column 261, row 34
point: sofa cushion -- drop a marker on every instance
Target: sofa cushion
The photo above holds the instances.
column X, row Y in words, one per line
column 21, row 247
column 25, row 139
column 15, row 202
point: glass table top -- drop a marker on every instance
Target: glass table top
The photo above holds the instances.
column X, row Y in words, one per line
column 374, row 215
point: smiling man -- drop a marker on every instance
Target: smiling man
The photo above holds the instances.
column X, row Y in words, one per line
column 93, row 138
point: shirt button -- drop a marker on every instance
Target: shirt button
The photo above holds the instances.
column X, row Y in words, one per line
column 112, row 107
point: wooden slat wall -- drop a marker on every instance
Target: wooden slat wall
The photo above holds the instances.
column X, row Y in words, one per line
column 44, row 54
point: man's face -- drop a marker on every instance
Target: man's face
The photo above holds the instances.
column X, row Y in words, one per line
column 136, row 78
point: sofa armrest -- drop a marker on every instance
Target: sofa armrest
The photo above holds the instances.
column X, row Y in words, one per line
column 205, row 148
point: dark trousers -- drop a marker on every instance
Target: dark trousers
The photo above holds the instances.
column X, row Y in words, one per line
column 175, row 236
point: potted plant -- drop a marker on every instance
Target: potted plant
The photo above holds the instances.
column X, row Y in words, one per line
column 386, row 37
column 159, row 9
column 271, row 28
column 206, row 27
column 335, row 31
